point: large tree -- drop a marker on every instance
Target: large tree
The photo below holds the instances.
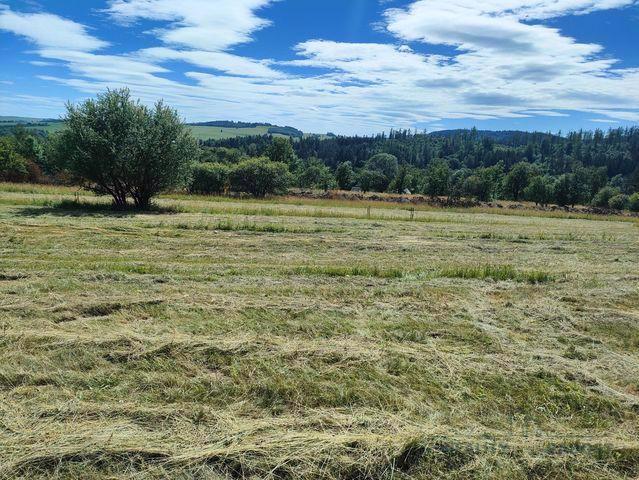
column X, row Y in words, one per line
column 122, row 148
column 539, row 190
column 517, row 180
column 345, row 175
column 281, row 150
column 315, row 174
column 437, row 179
column 384, row 168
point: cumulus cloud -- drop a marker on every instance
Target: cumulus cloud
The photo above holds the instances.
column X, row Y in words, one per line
column 47, row 30
column 506, row 63
column 210, row 25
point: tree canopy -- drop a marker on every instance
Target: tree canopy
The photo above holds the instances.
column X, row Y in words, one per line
column 124, row 149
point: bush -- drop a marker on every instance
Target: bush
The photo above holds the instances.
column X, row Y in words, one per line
column 517, row 180
column 13, row 167
column 260, row 177
column 484, row 183
column 384, row 166
column 220, row 155
column 633, row 202
column 372, row 180
column 618, row 202
column 315, row 174
column 281, row 150
column 603, row 196
column 539, row 190
column 437, row 179
column 345, row 176
column 209, row 178
column 125, row 149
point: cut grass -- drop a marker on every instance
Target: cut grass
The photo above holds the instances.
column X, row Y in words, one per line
column 285, row 339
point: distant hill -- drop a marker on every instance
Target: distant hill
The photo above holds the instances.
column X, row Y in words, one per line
column 215, row 130
column 42, row 126
column 246, row 128
column 231, row 124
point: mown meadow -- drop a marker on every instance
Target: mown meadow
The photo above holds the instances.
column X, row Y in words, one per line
column 283, row 338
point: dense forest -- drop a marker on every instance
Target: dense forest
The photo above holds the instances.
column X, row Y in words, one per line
column 600, row 168
column 592, row 168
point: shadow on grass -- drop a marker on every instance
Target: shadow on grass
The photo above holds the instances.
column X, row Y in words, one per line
column 72, row 208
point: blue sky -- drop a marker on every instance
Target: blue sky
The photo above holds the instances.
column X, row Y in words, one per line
column 345, row 66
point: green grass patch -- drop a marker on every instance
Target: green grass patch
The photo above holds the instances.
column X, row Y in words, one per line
column 497, row 273
column 229, row 226
column 350, row 271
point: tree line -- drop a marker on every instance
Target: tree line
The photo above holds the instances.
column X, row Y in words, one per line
column 593, row 168
column 115, row 146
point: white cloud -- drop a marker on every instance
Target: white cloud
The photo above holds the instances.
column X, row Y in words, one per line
column 546, row 113
column 210, row 25
column 603, row 120
column 503, row 66
column 225, row 62
column 49, row 31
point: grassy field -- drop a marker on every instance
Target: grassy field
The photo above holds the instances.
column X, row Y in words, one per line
column 50, row 127
column 220, row 338
column 220, row 133
column 199, row 132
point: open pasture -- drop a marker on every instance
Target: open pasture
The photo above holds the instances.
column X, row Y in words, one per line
column 223, row 338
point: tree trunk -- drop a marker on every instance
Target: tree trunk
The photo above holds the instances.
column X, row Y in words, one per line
column 119, row 201
column 142, row 201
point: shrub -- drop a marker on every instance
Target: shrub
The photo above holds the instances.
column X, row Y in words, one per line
column 372, row 180
column 12, row 165
column 564, row 191
column 603, row 196
column 385, row 168
column 539, row 190
column 315, row 174
column 517, row 180
column 125, row 149
column 260, row 177
column 437, row 179
column 484, row 183
column 220, row 155
column 345, row 176
column 281, row 151
column 633, row 202
column 618, row 202
column 209, row 178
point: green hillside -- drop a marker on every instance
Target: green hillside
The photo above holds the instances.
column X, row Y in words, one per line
column 200, row 131
column 220, row 133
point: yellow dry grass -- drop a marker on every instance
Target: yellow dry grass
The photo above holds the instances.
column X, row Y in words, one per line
column 257, row 339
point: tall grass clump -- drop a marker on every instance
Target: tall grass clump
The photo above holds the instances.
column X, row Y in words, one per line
column 228, row 226
column 350, row 271
column 495, row 272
